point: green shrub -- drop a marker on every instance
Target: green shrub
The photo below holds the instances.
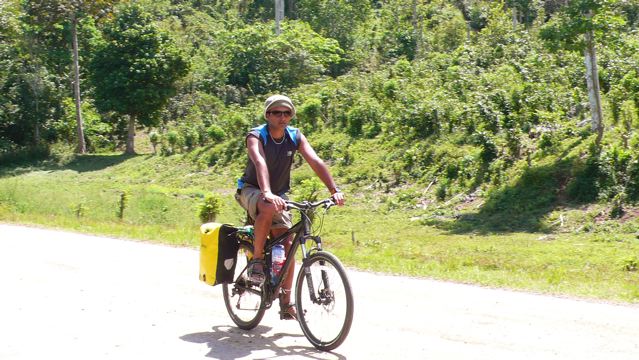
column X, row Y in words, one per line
column 513, row 143
column 583, row 187
column 216, row 133
column 631, row 264
column 209, row 208
column 308, row 114
column 546, row 142
column 171, row 143
column 154, row 138
column 190, row 137
column 617, row 210
column 441, row 191
column 62, row 153
column 488, row 148
column 12, row 154
column 309, row 189
column 390, row 89
column 632, row 187
column 363, row 119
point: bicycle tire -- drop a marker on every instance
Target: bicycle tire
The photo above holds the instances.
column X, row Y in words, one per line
column 325, row 325
column 244, row 302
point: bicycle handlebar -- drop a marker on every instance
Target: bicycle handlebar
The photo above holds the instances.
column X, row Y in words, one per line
column 306, row 205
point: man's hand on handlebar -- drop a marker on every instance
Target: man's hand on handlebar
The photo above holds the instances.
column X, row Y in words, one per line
column 338, row 198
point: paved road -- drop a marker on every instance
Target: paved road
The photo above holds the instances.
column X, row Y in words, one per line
column 71, row 296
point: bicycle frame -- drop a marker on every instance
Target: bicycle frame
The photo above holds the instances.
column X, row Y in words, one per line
column 302, row 232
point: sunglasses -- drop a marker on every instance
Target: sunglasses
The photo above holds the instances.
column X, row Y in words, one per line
column 279, row 113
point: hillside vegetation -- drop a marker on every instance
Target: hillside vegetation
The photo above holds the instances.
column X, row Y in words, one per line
column 464, row 132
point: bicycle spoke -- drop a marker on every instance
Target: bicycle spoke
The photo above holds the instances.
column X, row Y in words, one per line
column 327, row 309
column 243, row 300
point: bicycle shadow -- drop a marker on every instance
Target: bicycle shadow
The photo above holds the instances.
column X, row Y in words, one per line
column 228, row 343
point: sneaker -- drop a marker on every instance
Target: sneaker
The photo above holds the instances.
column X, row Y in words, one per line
column 256, row 271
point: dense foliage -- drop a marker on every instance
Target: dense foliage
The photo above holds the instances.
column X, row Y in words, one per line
column 457, row 96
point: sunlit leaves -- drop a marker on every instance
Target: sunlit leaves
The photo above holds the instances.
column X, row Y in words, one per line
column 136, row 69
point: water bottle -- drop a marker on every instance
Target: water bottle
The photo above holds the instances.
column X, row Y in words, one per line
column 278, row 256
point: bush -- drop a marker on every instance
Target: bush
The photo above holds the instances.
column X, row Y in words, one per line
column 216, row 133
column 154, row 138
column 488, row 148
column 632, row 187
column 546, row 142
column 583, row 187
column 363, row 119
column 12, row 154
column 190, row 136
column 441, row 191
column 391, row 87
column 617, row 210
column 308, row 114
column 420, row 119
column 308, row 189
column 209, row 208
column 62, row 153
column 171, row 143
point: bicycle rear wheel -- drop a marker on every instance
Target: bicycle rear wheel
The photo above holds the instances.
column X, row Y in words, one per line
column 244, row 300
column 324, row 301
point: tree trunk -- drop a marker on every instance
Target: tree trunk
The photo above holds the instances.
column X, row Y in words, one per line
column 292, row 9
column 82, row 149
column 417, row 31
column 279, row 15
column 130, row 139
column 36, row 133
column 36, row 86
column 592, row 79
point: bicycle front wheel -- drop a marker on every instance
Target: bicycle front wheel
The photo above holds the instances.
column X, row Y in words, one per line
column 324, row 301
column 243, row 299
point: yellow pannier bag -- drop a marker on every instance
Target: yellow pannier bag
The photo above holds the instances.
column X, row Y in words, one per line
column 218, row 253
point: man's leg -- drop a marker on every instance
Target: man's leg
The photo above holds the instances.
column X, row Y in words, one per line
column 287, row 284
column 262, row 226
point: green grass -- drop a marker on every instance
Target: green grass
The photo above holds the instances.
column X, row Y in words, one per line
column 568, row 251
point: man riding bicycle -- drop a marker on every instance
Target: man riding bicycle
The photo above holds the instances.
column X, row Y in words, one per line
column 262, row 189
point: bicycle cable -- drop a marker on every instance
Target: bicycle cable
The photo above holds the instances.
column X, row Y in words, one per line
column 317, row 231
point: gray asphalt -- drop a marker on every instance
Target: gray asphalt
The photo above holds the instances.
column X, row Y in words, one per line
column 72, row 296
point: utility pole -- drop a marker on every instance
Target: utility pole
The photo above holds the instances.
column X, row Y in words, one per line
column 279, row 15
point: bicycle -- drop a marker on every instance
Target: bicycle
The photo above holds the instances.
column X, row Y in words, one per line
column 323, row 295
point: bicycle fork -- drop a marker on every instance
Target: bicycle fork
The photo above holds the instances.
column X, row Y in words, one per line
column 324, row 295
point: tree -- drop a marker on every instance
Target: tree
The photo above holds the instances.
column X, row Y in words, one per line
column 51, row 12
column 337, row 19
column 135, row 70
column 473, row 13
column 26, row 87
column 261, row 62
column 575, row 27
column 524, row 11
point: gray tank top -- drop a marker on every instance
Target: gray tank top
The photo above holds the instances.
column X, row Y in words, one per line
column 279, row 159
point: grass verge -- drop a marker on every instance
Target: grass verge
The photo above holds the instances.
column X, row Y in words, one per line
column 576, row 255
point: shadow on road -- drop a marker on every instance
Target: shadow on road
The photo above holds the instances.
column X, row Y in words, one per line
column 227, row 343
